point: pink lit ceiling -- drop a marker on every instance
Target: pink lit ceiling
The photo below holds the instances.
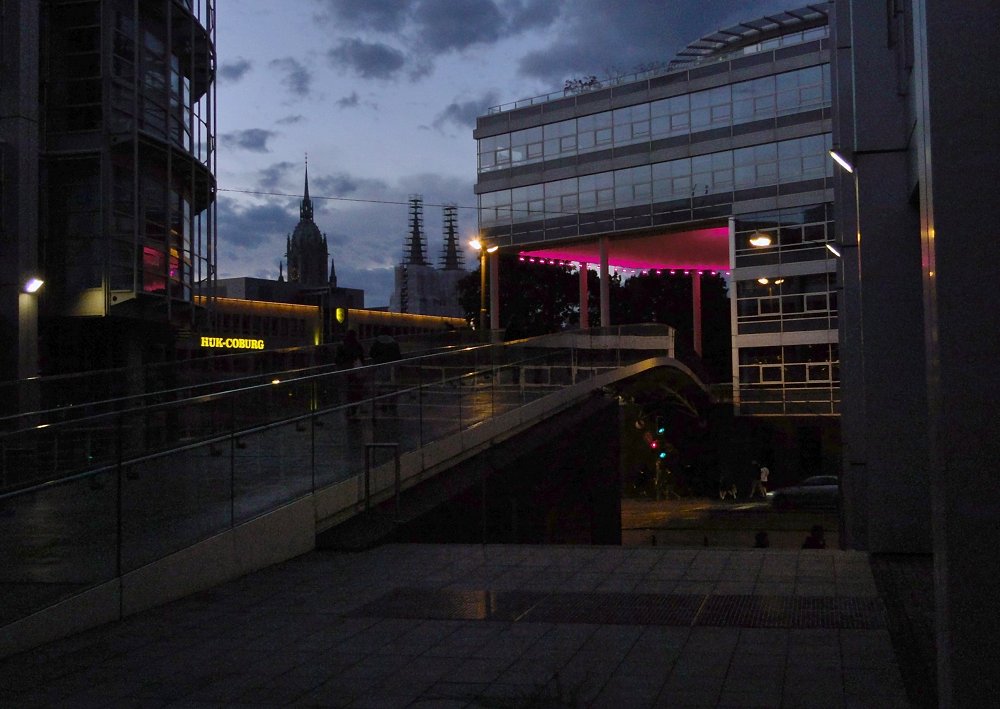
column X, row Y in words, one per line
column 697, row 249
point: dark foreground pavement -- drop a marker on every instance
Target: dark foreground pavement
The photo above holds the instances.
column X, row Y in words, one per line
column 495, row 626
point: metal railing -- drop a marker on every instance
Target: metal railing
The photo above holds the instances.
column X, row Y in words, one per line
column 57, row 398
column 90, row 500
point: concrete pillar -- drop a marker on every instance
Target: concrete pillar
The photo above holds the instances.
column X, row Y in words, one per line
column 883, row 385
column 584, row 298
column 957, row 144
column 696, row 310
column 605, row 285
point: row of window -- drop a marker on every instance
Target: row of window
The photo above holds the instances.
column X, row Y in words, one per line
column 743, row 102
column 790, row 365
column 757, row 166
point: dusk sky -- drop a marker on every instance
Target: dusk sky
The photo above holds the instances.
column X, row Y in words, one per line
column 383, row 95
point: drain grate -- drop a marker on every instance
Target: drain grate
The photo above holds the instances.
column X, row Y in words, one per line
column 861, row 613
column 793, row 612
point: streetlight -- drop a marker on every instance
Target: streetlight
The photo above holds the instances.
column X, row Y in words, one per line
column 483, row 248
column 33, row 284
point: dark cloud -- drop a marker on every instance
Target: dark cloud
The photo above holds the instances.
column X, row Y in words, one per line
column 423, row 29
column 463, row 113
column 252, row 226
column 290, row 120
column 341, row 185
column 598, row 38
column 379, row 15
column 369, row 60
column 297, row 78
column 351, row 101
column 234, row 70
column 273, row 175
column 252, row 139
column 524, row 15
column 445, row 25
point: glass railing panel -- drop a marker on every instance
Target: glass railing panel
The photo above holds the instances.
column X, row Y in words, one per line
column 56, row 541
column 271, row 467
column 338, row 440
column 174, row 500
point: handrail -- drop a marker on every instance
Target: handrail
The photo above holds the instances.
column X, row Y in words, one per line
column 41, row 414
column 104, row 427
column 141, row 504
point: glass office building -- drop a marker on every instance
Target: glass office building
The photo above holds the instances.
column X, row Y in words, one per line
column 733, row 133
column 125, row 191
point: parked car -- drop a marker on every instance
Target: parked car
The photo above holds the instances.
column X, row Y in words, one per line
column 816, row 491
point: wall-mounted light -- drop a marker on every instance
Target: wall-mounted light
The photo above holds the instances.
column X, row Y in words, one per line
column 33, row 285
column 842, row 161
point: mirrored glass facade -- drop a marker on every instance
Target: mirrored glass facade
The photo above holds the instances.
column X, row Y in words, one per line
column 128, row 173
column 735, row 136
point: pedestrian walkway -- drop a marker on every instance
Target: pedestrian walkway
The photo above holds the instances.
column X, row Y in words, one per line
column 495, row 626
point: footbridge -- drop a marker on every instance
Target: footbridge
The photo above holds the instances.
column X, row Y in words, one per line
column 107, row 514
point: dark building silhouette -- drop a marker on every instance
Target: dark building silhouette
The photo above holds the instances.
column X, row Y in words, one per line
column 306, row 249
column 308, row 283
column 108, row 179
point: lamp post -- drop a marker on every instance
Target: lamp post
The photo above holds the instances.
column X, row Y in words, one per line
column 483, row 248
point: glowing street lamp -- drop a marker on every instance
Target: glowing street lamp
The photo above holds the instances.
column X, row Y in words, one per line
column 760, row 239
column 33, row 285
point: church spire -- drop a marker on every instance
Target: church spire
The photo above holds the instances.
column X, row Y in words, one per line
column 451, row 256
column 306, row 207
column 414, row 249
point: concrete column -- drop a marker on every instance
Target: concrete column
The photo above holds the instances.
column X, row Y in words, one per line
column 494, row 291
column 584, row 298
column 883, row 385
column 605, row 285
column 696, row 311
column 957, row 145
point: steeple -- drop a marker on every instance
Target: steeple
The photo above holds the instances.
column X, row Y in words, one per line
column 306, row 207
column 451, row 256
column 413, row 252
column 307, row 249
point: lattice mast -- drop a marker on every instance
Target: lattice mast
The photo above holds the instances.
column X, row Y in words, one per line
column 451, row 255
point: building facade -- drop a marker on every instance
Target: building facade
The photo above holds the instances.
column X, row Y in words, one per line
column 731, row 138
column 109, row 188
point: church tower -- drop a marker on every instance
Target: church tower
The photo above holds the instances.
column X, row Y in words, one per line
column 307, row 251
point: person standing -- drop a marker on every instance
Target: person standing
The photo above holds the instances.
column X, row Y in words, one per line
column 761, row 482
